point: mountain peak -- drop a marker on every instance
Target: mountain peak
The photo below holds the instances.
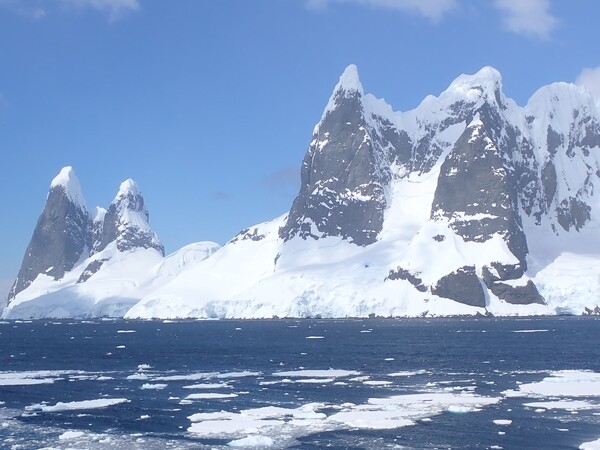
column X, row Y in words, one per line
column 128, row 186
column 347, row 88
column 68, row 181
column 349, row 80
column 129, row 197
column 487, row 80
column 126, row 221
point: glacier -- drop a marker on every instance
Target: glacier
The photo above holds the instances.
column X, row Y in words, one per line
column 467, row 205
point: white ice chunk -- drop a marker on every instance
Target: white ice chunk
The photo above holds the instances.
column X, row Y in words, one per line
column 84, row 404
column 563, row 383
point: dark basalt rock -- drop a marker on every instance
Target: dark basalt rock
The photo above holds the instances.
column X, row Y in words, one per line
column 591, row 312
column 549, row 183
column 90, row 270
column 403, row 274
column 57, row 243
column 573, row 213
column 517, row 295
column 501, row 272
column 462, row 286
column 248, row 235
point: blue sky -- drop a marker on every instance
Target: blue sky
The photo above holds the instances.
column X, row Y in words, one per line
column 210, row 105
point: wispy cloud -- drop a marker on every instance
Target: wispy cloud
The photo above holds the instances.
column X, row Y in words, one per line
column 528, row 17
column 285, row 180
column 221, row 195
column 38, row 9
column 31, row 9
column 590, row 79
column 431, row 9
column 115, row 9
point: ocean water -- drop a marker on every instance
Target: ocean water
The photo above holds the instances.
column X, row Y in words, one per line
column 301, row 384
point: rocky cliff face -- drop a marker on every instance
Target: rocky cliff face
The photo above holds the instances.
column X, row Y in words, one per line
column 341, row 182
column 58, row 241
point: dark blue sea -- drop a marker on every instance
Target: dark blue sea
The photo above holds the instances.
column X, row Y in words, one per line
column 301, row 384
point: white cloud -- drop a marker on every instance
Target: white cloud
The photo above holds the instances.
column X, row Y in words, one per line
column 114, row 8
column 37, row 9
column 590, row 79
column 431, row 9
column 33, row 10
column 529, row 17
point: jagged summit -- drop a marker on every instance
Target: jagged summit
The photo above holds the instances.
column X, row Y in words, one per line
column 486, row 79
column 126, row 221
column 68, row 181
column 127, row 187
column 129, row 199
column 350, row 81
column 348, row 88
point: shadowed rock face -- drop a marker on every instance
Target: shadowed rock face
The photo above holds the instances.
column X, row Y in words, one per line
column 126, row 222
column 58, row 241
column 462, row 286
column 478, row 195
column 341, row 190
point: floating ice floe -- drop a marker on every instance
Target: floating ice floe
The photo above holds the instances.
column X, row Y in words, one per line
column 138, row 376
column 376, row 414
column 530, row 331
column 34, row 377
column 70, row 435
column 569, row 405
column 328, row 373
column 563, row 383
column 188, row 377
column 208, row 386
column 153, row 386
column 502, row 422
column 84, row 404
column 408, row 373
column 242, row 374
column 594, row 445
column 210, row 396
column 315, row 380
column 253, row 442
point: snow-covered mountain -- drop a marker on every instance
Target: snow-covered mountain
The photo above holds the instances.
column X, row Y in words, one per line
column 467, row 204
column 89, row 265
